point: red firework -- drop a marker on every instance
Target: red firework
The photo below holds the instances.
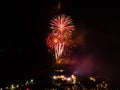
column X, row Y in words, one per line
column 62, row 27
column 62, row 23
column 52, row 39
column 60, row 37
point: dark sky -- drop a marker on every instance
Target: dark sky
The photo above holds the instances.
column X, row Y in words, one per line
column 23, row 50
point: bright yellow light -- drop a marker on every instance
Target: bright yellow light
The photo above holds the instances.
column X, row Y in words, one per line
column 68, row 79
column 59, row 70
column 31, row 80
column 59, row 77
column 92, row 79
column 73, row 77
column 17, row 86
column 54, row 77
column 62, row 76
column 12, row 86
column 106, row 85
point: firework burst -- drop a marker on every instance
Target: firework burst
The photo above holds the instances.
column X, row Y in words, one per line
column 61, row 35
column 62, row 23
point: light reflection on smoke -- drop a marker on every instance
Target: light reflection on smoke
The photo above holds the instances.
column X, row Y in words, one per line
column 82, row 66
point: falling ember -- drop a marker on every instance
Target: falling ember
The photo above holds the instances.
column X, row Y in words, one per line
column 60, row 37
column 59, row 6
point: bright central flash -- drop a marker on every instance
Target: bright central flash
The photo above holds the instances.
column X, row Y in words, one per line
column 55, row 40
column 61, row 27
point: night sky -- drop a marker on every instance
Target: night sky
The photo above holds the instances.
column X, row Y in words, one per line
column 23, row 50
